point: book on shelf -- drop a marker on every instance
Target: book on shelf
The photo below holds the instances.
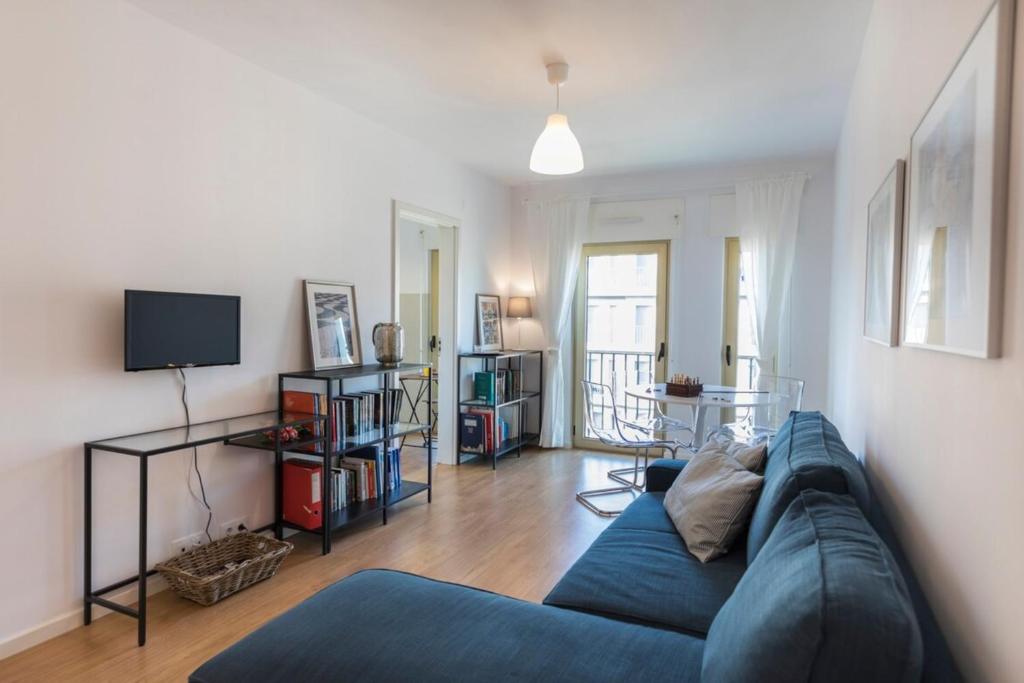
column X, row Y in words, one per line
column 374, row 471
column 307, row 403
column 498, row 386
column 472, row 429
column 496, row 432
column 483, row 386
column 350, row 416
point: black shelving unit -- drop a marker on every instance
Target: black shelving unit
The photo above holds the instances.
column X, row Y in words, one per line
column 530, row 394
column 333, row 383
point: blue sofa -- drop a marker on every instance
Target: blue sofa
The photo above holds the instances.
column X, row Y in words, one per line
column 812, row 593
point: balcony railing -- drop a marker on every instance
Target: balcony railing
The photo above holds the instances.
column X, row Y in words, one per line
column 746, row 371
column 629, row 368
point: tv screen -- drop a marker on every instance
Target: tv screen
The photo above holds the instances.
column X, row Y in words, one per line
column 171, row 330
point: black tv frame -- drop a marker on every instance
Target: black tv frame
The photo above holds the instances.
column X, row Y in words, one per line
column 227, row 297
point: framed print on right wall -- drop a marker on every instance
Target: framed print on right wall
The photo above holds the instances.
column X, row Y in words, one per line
column 956, row 207
column 882, row 260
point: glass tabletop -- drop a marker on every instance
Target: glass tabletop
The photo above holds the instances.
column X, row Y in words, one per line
column 176, row 438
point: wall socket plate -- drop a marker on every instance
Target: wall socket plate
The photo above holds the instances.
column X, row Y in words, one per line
column 187, row 543
column 234, row 526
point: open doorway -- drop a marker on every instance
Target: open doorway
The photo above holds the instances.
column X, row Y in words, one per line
column 425, row 290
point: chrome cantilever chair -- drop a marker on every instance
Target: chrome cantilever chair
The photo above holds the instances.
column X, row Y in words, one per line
column 762, row 422
column 603, row 421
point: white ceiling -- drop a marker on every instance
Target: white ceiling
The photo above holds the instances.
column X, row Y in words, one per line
column 653, row 83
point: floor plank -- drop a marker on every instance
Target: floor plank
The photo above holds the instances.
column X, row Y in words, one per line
column 514, row 531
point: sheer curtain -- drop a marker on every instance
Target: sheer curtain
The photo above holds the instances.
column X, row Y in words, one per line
column 555, row 230
column 767, row 216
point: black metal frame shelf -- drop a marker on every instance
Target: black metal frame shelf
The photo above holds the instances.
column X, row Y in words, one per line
column 144, row 445
column 355, row 511
column 521, row 402
column 337, row 519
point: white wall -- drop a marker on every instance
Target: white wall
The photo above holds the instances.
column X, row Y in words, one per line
column 697, row 257
column 939, row 433
column 135, row 155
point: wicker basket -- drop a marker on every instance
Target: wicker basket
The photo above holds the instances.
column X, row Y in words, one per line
column 216, row 570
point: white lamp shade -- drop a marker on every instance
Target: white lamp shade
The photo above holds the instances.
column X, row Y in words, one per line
column 556, row 152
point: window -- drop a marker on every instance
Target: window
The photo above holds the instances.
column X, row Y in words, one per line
column 644, row 330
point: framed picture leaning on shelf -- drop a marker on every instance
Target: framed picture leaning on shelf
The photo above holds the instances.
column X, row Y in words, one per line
column 488, row 323
column 333, row 324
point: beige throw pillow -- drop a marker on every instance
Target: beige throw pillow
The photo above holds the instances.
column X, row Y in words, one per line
column 751, row 457
column 711, row 501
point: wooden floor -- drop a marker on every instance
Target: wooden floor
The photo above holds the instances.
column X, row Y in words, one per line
column 514, row 531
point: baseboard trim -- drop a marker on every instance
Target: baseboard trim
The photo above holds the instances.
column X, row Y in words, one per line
column 71, row 620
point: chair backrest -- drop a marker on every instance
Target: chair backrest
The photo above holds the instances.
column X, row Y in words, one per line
column 603, row 420
column 787, row 395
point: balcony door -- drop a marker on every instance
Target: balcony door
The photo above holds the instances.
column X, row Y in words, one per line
column 621, row 323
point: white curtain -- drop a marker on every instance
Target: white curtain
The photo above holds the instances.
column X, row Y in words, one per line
column 767, row 216
column 555, row 230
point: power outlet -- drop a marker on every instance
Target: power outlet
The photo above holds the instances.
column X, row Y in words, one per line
column 187, row 543
column 234, row 526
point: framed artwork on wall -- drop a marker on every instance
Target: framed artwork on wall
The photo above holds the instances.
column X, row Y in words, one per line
column 333, row 324
column 882, row 259
column 488, row 323
column 957, row 197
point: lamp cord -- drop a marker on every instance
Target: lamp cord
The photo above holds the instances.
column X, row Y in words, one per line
column 195, row 458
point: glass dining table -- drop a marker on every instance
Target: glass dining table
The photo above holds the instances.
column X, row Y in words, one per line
column 712, row 396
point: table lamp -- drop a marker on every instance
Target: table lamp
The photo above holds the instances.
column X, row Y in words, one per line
column 519, row 308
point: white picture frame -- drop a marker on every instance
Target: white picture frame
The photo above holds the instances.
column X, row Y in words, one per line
column 882, row 261
column 957, row 180
column 488, row 323
column 333, row 324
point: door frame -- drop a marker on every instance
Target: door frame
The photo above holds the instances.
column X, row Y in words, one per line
column 661, row 316
column 446, row 386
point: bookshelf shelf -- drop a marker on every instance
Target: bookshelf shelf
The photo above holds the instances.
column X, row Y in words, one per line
column 336, row 387
column 480, row 403
column 514, row 399
column 355, row 511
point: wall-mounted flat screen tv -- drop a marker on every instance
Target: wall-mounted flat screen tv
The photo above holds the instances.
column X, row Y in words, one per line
column 175, row 330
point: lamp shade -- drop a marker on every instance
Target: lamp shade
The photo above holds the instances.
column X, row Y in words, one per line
column 519, row 307
column 556, row 152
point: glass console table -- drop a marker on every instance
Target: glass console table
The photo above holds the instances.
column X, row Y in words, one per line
column 148, row 444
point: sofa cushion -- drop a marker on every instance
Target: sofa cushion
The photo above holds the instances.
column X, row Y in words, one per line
column 661, row 473
column 823, row 601
column 646, row 513
column 807, row 453
column 380, row 625
column 649, row 577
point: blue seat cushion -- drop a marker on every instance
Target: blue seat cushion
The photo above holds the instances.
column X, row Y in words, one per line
column 380, row 625
column 807, row 453
column 823, row 601
column 646, row 575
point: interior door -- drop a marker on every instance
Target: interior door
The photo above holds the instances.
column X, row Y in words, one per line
column 621, row 317
column 434, row 327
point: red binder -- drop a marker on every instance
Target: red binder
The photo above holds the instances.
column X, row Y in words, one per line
column 302, row 504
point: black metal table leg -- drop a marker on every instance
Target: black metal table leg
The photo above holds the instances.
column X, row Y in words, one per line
column 430, row 432
column 326, row 516
column 143, row 507
column 87, row 517
column 385, row 414
column 278, row 503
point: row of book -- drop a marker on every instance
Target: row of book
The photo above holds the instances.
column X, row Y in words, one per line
column 498, row 386
column 361, row 475
column 481, row 433
column 351, row 415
